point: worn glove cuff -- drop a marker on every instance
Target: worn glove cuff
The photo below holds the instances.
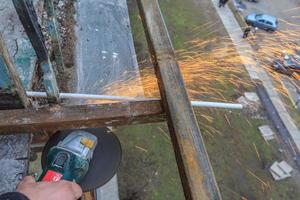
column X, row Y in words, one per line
column 13, row 196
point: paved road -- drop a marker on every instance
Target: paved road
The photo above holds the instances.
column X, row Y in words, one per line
column 288, row 14
column 284, row 10
column 256, row 73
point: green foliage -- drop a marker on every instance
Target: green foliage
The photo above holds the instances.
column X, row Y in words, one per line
column 148, row 168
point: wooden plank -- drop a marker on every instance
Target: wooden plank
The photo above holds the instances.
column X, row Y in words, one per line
column 80, row 116
column 196, row 173
column 28, row 18
column 13, row 75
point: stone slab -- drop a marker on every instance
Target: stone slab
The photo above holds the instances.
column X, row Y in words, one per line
column 13, row 160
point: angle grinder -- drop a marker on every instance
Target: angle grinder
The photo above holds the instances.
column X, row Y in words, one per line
column 90, row 157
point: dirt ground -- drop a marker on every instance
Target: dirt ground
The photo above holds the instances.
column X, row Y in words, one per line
column 66, row 21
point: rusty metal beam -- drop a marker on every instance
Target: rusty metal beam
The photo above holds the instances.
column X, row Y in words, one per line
column 80, row 116
column 196, row 173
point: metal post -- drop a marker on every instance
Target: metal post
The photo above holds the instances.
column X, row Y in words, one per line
column 195, row 170
column 28, row 17
column 55, row 38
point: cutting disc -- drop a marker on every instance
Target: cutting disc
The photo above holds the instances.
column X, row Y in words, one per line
column 106, row 158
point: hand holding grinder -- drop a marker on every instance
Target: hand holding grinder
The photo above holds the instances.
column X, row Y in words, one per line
column 70, row 158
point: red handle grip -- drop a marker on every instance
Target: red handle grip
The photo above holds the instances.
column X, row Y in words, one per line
column 52, row 176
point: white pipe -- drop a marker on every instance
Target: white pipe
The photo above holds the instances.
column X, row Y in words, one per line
column 88, row 96
column 216, row 105
column 122, row 98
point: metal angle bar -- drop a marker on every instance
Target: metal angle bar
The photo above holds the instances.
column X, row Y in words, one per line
column 28, row 18
column 195, row 170
column 49, row 82
column 54, row 34
column 80, row 116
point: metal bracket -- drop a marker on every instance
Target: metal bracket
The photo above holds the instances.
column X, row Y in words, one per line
column 28, row 17
column 54, row 34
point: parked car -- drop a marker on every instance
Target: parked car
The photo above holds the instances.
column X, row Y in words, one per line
column 288, row 64
column 262, row 21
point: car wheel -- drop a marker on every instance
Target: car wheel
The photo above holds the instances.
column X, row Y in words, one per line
column 270, row 30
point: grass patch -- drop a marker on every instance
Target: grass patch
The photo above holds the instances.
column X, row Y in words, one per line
column 235, row 161
column 149, row 169
column 184, row 20
column 288, row 104
column 139, row 38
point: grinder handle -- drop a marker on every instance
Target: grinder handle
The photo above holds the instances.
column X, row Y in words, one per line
column 50, row 176
column 56, row 167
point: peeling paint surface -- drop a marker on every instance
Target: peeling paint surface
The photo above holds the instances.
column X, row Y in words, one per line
column 17, row 43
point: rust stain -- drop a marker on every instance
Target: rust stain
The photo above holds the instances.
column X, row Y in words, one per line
column 195, row 173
